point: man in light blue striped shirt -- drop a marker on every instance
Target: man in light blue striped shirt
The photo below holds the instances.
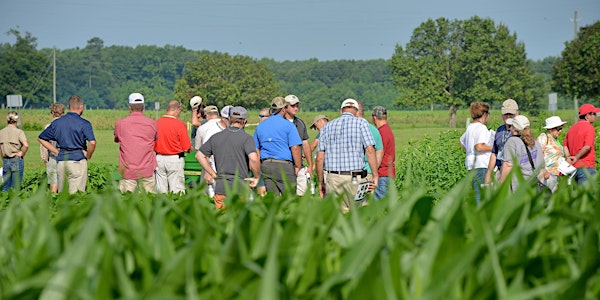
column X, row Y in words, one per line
column 343, row 143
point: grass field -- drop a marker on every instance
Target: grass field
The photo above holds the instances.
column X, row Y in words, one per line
column 407, row 126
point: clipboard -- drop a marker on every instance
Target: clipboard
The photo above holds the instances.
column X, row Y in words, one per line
column 362, row 191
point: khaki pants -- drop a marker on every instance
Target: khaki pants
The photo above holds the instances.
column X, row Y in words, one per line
column 169, row 174
column 342, row 185
column 75, row 173
column 147, row 184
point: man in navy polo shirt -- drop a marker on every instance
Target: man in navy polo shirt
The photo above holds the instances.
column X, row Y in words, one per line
column 77, row 143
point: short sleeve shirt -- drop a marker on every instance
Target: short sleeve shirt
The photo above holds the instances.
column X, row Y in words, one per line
column 11, row 140
column 579, row 135
column 275, row 136
column 71, row 132
column 515, row 152
column 378, row 144
column 552, row 150
column 344, row 141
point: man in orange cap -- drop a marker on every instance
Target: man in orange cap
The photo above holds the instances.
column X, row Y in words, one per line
column 579, row 143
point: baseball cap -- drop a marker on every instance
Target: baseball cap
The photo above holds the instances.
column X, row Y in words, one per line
column 238, row 112
column 211, row 109
column 510, row 106
column 350, row 103
column 317, row 118
column 588, row 108
column 195, row 101
column 278, row 102
column 291, row 99
column 520, row 122
column 379, row 111
column 136, row 98
column 225, row 111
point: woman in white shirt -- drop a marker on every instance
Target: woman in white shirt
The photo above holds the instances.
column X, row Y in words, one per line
column 476, row 142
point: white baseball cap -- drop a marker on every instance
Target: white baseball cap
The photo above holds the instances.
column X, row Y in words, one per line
column 136, row 98
column 350, row 103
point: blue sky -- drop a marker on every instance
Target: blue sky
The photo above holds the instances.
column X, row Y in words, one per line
column 284, row 29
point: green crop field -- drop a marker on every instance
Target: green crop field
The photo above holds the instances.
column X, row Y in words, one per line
column 426, row 240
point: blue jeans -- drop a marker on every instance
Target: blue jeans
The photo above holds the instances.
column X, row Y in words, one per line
column 12, row 173
column 477, row 181
column 382, row 187
column 581, row 176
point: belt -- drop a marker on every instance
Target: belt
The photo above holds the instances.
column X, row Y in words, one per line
column 276, row 160
column 180, row 154
column 361, row 173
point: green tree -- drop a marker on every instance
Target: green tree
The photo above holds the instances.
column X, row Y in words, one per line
column 453, row 63
column 222, row 80
column 25, row 71
column 577, row 72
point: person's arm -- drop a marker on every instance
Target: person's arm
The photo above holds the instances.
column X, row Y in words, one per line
column 209, row 173
column 490, row 169
column 379, row 156
column 297, row 158
column 195, row 119
column 506, row 167
column 90, row 150
column 307, row 155
column 320, row 162
column 313, row 146
column 482, row 147
column 372, row 159
column 24, row 149
column 44, row 154
column 583, row 152
column 48, row 146
column 254, row 165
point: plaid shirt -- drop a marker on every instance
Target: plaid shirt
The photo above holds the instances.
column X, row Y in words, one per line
column 344, row 141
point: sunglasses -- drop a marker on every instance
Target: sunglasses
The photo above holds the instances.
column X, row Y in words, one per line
column 558, row 128
column 262, row 116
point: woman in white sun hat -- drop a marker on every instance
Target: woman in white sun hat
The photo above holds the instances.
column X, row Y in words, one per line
column 552, row 149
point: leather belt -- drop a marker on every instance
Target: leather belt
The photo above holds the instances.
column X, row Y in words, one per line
column 276, row 160
column 361, row 173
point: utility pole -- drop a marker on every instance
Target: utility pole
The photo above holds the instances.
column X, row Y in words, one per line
column 54, row 75
column 575, row 102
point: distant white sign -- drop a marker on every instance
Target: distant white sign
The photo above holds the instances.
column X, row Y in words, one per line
column 14, row 101
column 552, row 102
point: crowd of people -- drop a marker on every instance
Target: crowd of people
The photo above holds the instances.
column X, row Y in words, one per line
column 350, row 157
column 491, row 155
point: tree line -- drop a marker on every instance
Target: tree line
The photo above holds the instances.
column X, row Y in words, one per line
column 446, row 64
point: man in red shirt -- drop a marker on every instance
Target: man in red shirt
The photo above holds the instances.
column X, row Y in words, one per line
column 387, row 168
column 579, row 143
column 136, row 135
column 170, row 147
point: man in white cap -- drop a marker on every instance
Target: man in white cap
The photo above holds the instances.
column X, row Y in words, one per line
column 291, row 110
column 213, row 125
column 510, row 109
column 580, row 143
column 340, row 160
column 278, row 143
column 136, row 135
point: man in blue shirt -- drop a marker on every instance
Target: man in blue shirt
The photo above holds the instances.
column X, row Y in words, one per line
column 77, row 143
column 340, row 161
column 278, row 143
column 510, row 109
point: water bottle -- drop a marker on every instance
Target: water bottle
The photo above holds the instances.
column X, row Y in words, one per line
column 312, row 187
column 251, row 196
column 354, row 181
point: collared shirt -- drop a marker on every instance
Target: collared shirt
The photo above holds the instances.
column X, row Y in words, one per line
column 579, row 135
column 387, row 168
column 378, row 145
column 206, row 130
column 344, row 141
column 136, row 135
column 275, row 136
column 71, row 132
column 172, row 136
column 11, row 140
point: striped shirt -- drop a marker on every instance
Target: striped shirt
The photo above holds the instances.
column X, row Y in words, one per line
column 344, row 141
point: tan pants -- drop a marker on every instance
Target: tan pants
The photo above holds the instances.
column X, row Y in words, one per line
column 147, row 184
column 342, row 185
column 75, row 173
column 219, row 201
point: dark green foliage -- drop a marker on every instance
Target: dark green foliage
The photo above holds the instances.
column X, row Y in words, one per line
column 577, row 72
